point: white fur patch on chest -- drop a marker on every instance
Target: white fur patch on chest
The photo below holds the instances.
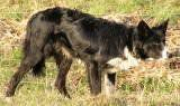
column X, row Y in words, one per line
column 125, row 64
column 164, row 53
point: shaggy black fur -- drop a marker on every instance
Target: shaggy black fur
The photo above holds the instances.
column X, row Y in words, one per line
column 66, row 34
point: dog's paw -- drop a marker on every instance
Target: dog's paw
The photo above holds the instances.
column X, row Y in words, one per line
column 9, row 93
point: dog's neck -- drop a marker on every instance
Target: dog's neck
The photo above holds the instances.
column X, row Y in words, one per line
column 131, row 38
column 131, row 59
column 133, row 43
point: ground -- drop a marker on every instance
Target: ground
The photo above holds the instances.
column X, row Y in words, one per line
column 151, row 84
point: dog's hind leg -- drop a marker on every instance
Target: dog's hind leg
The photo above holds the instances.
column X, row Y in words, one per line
column 64, row 65
column 94, row 77
column 38, row 68
column 27, row 63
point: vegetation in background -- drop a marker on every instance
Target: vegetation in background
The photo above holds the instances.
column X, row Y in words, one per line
column 159, row 9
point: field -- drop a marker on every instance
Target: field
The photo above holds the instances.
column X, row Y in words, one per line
column 151, row 84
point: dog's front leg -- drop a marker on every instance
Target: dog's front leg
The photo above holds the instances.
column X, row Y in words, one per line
column 63, row 69
column 94, row 77
column 108, row 81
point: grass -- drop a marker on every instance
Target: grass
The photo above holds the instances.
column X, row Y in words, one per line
column 134, row 91
column 155, row 87
column 159, row 9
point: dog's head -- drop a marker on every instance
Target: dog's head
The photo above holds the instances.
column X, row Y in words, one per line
column 150, row 42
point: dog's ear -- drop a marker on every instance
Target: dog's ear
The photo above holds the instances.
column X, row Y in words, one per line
column 143, row 28
column 162, row 27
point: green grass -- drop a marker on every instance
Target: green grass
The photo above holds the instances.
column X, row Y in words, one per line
column 32, row 91
column 136, row 91
column 158, row 9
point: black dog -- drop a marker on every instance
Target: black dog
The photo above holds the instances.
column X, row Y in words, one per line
column 109, row 44
column 67, row 34
column 39, row 45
